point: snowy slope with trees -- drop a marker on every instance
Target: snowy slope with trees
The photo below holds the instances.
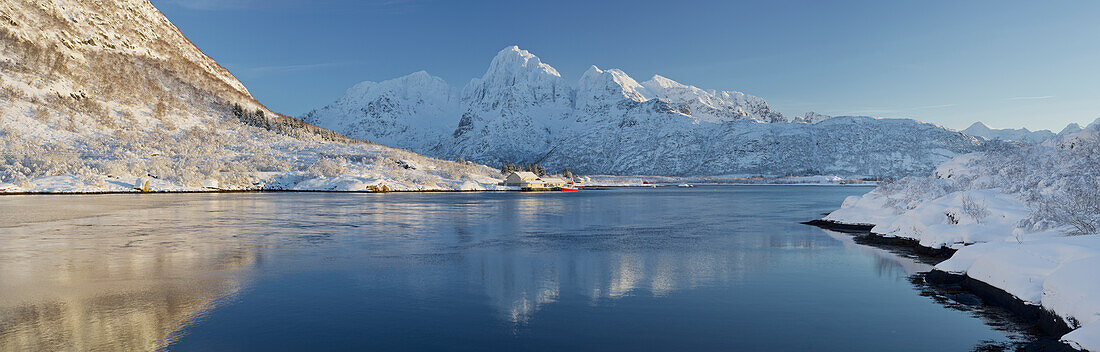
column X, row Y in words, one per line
column 522, row 111
column 1025, row 220
column 109, row 96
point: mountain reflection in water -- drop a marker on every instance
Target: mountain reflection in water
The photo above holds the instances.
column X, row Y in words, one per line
column 133, row 272
column 117, row 279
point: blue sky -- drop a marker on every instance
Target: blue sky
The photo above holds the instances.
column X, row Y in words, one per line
column 1032, row 64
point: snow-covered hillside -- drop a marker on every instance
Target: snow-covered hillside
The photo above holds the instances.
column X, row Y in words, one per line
column 1025, row 220
column 104, row 95
column 521, row 110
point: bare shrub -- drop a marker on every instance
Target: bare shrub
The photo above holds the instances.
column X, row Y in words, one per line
column 1075, row 204
column 975, row 209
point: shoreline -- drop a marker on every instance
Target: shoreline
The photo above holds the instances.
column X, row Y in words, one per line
column 591, row 188
column 245, row 191
column 1050, row 325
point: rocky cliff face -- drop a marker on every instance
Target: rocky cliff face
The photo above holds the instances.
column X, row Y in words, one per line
column 522, row 111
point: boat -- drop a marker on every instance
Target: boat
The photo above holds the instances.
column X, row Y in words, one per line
column 571, row 187
column 686, row 185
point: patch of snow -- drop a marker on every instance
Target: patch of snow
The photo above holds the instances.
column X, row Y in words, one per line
column 1055, row 272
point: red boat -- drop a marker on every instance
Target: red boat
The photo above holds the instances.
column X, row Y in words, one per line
column 569, row 189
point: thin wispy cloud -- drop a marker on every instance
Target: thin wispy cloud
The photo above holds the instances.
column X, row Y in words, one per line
column 294, row 68
column 1032, row 98
column 871, row 111
column 940, row 106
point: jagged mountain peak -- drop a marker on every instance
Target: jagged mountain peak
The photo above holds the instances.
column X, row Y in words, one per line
column 513, row 60
column 598, row 86
column 517, row 77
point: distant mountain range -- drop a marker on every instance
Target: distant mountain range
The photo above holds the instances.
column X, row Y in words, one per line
column 522, row 111
column 1021, row 135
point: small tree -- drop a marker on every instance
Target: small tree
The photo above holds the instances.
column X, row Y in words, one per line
column 237, row 110
column 568, row 174
column 536, row 169
column 507, row 168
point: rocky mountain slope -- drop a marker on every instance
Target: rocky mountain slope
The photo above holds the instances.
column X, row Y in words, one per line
column 521, row 110
column 96, row 94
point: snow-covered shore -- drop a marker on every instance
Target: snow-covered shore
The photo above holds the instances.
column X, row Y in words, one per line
column 1024, row 222
column 294, row 182
column 645, row 181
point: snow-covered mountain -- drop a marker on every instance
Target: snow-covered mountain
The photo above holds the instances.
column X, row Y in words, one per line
column 97, row 94
column 522, row 111
column 1074, row 127
column 414, row 109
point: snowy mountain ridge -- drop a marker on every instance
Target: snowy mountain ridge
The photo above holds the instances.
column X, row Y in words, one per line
column 521, row 110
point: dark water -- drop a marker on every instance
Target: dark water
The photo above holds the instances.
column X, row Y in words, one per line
column 709, row 268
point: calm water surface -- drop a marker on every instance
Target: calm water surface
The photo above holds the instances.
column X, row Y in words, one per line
column 709, row 268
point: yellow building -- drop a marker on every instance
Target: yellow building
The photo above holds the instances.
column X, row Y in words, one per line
column 522, row 179
column 530, row 181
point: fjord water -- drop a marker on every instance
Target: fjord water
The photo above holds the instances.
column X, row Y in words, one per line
column 706, row 268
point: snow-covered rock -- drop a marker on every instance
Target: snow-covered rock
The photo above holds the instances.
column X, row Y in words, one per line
column 709, row 105
column 811, row 117
column 522, row 111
